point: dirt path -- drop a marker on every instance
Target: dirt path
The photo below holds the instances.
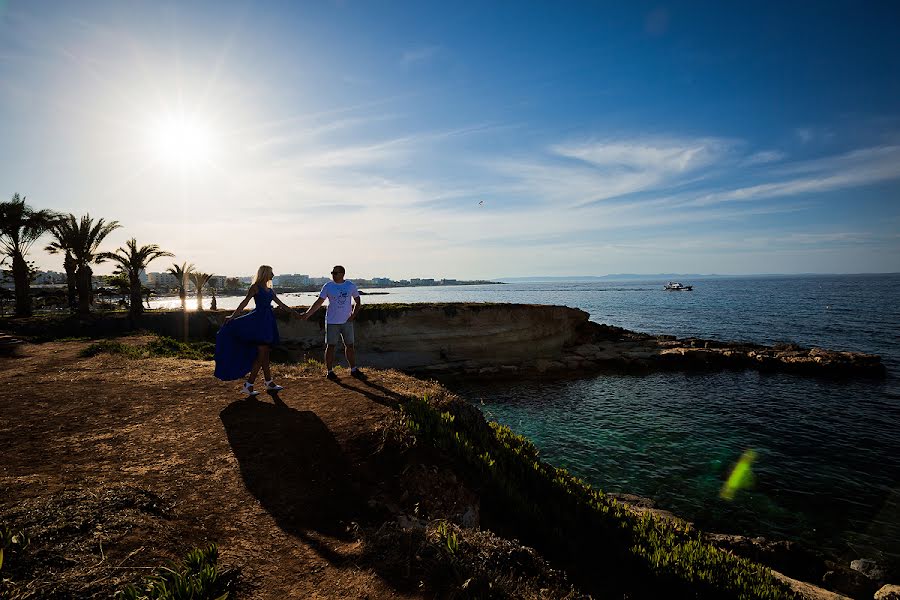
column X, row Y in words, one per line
column 277, row 486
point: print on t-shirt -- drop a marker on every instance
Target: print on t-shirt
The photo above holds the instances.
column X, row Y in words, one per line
column 339, row 297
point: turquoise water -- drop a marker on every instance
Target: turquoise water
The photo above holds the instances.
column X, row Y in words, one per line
column 828, row 466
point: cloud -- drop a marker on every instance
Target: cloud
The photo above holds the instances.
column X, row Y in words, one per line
column 853, row 169
column 585, row 173
column 418, row 56
column 764, row 157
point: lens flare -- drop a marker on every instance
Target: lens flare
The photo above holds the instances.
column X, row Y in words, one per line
column 741, row 476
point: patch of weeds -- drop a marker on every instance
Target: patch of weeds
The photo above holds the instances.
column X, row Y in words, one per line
column 165, row 347
column 112, row 347
column 198, row 577
column 172, row 348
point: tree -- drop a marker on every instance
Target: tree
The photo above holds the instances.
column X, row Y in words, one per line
column 200, row 280
column 130, row 261
column 232, row 284
column 20, row 227
column 64, row 233
column 181, row 274
column 86, row 239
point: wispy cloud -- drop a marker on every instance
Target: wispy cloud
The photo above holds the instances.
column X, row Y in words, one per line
column 765, row 157
column 420, row 55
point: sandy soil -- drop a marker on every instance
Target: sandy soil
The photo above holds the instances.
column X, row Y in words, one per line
column 278, row 483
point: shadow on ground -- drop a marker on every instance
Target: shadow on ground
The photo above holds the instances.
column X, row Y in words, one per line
column 291, row 462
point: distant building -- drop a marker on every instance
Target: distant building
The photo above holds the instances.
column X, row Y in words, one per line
column 448, row 282
column 143, row 276
column 417, row 281
column 49, row 278
column 216, row 282
column 381, row 281
column 295, row 280
column 161, row 280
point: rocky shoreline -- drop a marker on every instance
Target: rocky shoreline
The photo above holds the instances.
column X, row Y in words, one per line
column 482, row 339
column 832, row 577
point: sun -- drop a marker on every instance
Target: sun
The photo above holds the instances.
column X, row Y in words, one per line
column 181, row 140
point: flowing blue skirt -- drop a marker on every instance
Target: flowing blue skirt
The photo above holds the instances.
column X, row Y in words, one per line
column 237, row 342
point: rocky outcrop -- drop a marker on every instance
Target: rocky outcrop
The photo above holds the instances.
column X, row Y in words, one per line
column 497, row 340
column 516, row 340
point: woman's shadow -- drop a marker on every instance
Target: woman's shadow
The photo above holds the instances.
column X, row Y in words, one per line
column 294, row 466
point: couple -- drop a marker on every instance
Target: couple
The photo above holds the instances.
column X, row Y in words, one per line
column 243, row 342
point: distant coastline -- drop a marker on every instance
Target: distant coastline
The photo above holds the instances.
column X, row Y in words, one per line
column 671, row 276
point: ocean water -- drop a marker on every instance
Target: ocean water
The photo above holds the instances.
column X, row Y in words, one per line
column 827, row 470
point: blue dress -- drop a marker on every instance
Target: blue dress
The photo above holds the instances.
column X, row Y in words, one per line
column 237, row 340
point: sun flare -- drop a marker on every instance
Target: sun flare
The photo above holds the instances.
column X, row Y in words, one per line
column 181, row 140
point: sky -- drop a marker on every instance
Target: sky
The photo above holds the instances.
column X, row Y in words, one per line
column 464, row 139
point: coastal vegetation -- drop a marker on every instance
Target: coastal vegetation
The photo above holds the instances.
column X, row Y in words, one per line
column 200, row 280
column 130, row 261
column 20, row 227
column 565, row 518
column 182, row 274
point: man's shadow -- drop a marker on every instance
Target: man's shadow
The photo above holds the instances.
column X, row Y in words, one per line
column 294, row 466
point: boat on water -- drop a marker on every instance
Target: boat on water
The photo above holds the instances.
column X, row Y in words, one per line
column 674, row 286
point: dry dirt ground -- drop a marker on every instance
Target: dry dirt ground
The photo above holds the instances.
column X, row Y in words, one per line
column 144, row 459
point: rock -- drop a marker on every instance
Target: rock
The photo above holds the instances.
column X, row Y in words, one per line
column 849, row 582
column 869, row 568
column 888, row 592
column 509, row 369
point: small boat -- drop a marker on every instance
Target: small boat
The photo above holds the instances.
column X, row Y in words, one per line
column 674, row 286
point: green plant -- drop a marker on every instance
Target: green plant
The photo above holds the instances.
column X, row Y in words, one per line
column 164, row 347
column 10, row 540
column 197, row 578
column 112, row 347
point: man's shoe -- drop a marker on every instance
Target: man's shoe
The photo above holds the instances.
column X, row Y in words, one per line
column 357, row 374
column 248, row 390
column 271, row 386
column 330, row 375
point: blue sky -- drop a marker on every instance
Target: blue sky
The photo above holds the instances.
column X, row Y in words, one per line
column 464, row 139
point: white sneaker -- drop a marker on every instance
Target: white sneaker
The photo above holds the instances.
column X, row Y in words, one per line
column 248, row 390
column 271, row 386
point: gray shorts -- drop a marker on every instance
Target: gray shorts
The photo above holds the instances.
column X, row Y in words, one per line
column 333, row 331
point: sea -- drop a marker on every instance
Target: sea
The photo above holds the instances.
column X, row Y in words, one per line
column 827, row 451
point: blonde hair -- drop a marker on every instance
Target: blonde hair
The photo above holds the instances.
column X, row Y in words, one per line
column 264, row 276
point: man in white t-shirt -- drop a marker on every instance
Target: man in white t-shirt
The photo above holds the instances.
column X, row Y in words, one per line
column 343, row 306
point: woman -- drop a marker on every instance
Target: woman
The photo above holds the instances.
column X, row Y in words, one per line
column 243, row 342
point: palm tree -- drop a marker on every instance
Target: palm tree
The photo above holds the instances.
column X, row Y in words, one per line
column 200, row 279
column 130, row 261
column 181, row 274
column 64, row 233
column 20, row 227
column 86, row 239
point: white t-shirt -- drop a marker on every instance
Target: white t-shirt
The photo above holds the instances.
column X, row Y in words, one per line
column 340, row 303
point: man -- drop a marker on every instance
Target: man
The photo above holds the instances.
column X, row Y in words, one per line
column 343, row 306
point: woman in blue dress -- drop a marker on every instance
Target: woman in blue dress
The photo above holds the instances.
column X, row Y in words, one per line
column 243, row 342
